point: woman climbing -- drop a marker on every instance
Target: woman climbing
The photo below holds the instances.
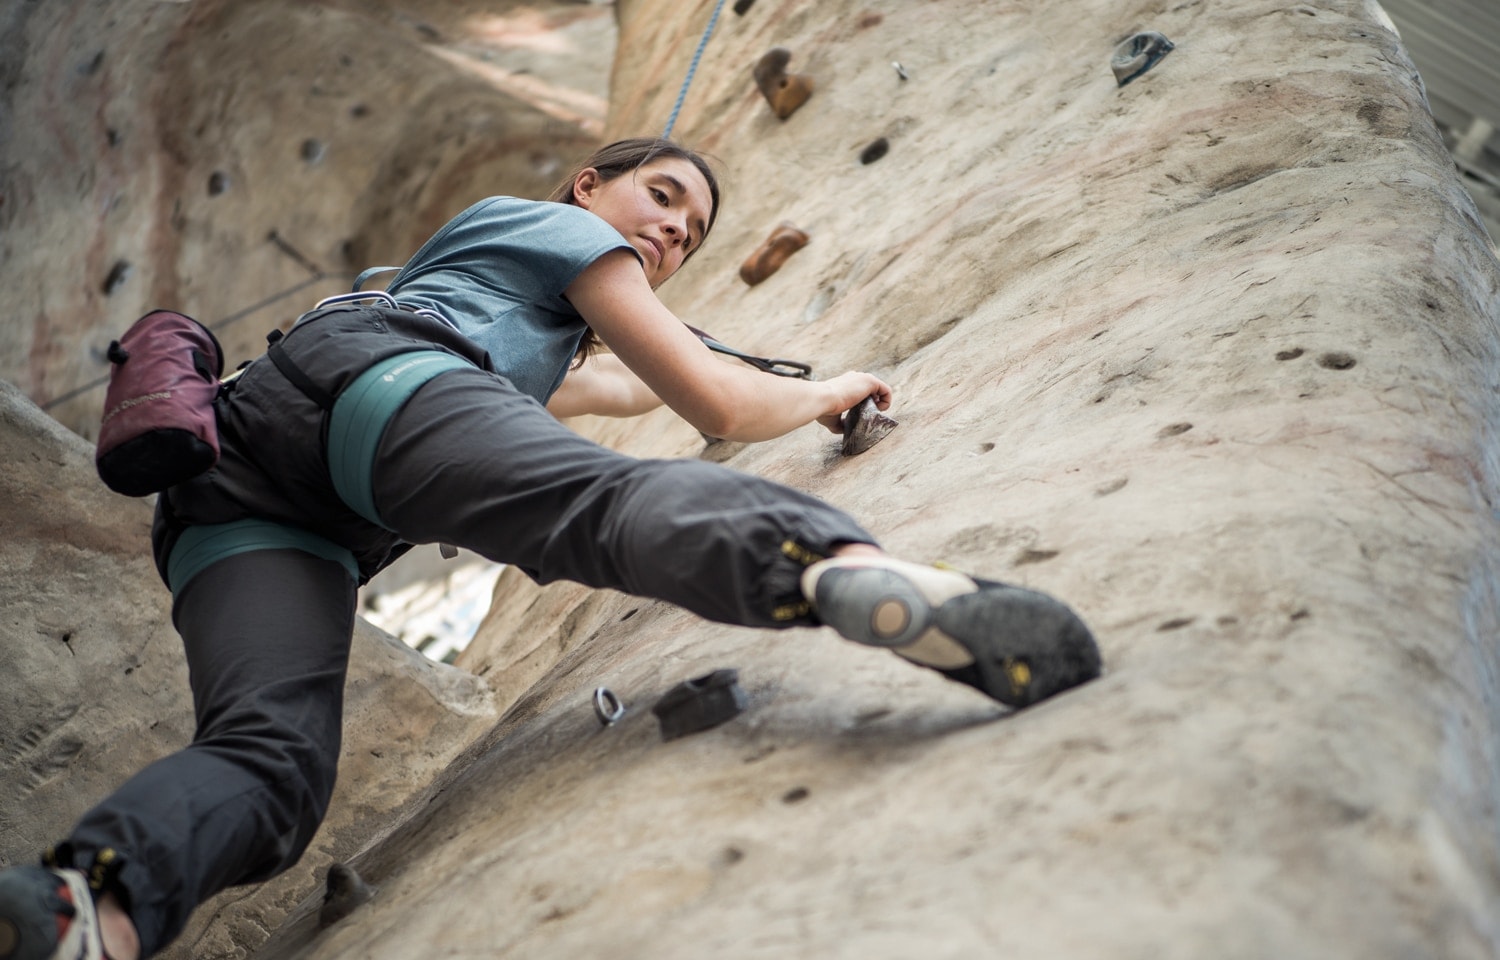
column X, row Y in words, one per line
column 370, row 426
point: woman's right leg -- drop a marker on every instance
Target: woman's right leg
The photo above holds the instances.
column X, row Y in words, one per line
column 470, row 461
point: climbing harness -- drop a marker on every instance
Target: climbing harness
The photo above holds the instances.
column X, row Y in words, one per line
column 782, row 368
column 692, row 69
column 380, row 296
column 358, row 418
column 359, row 414
column 206, row 544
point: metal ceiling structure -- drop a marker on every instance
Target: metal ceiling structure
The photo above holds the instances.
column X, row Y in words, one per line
column 1455, row 45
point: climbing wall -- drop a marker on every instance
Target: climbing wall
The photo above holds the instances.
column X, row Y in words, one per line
column 1211, row 354
column 238, row 162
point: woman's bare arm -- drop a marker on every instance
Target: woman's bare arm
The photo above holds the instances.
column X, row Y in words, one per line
column 719, row 399
column 602, row 386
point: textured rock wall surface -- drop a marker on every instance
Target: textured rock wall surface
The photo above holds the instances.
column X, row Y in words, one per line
column 95, row 686
column 211, row 156
column 1212, row 356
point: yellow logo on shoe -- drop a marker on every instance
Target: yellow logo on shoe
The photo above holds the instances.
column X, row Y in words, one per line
column 1019, row 674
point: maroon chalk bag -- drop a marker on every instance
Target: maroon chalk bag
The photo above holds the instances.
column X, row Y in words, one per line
column 158, row 428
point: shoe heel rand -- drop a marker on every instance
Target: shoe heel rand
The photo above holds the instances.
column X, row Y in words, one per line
column 82, row 940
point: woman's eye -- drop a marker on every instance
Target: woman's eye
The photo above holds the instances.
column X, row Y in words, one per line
column 661, row 197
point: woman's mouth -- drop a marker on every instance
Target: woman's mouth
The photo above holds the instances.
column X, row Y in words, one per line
column 656, row 246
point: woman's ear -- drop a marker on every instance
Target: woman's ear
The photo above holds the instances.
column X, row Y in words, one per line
column 584, row 186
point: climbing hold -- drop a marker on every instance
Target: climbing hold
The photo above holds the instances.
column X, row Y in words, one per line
column 218, row 182
column 742, row 7
column 784, row 241
column 900, row 70
column 1138, row 54
column 874, row 151
column 700, row 704
column 346, row 891
column 785, row 92
column 607, row 707
column 1336, row 361
column 865, row 426
column 116, row 277
column 313, row 150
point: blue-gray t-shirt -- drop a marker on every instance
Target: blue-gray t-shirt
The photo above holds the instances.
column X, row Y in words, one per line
column 497, row 272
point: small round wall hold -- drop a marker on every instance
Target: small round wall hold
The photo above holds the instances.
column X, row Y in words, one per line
column 116, row 277
column 607, row 707
column 1138, row 54
column 874, row 151
column 346, row 890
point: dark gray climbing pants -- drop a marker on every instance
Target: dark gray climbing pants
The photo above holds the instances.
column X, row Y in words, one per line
column 469, row 461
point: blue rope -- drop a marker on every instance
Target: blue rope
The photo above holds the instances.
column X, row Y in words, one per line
column 692, row 69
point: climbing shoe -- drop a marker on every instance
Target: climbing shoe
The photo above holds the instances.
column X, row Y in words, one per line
column 47, row 915
column 1017, row 645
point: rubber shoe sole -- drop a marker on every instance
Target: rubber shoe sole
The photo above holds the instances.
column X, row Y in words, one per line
column 47, row 915
column 1018, row 646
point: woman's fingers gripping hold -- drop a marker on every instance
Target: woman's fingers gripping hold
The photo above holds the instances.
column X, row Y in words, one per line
column 849, row 390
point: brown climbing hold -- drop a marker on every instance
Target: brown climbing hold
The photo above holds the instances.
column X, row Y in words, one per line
column 785, row 92
column 784, row 241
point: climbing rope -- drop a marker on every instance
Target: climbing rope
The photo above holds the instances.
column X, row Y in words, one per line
column 692, row 69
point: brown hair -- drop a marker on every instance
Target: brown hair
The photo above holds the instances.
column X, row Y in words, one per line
column 622, row 157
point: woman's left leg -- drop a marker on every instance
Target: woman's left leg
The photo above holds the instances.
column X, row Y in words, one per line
column 476, row 464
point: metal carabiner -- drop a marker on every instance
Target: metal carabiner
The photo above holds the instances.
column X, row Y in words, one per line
column 794, row 368
column 607, row 707
column 390, row 301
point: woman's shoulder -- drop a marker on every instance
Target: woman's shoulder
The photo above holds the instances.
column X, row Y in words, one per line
column 512, row 221
column 517, row 209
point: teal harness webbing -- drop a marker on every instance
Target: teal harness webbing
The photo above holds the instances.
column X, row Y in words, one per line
column 360, row 416
column 200, row 546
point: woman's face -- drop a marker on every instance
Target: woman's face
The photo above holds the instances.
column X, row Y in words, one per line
column 660, row 208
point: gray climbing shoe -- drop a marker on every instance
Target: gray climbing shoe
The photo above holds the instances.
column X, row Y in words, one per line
column 1017, row 645
column 47, row 915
